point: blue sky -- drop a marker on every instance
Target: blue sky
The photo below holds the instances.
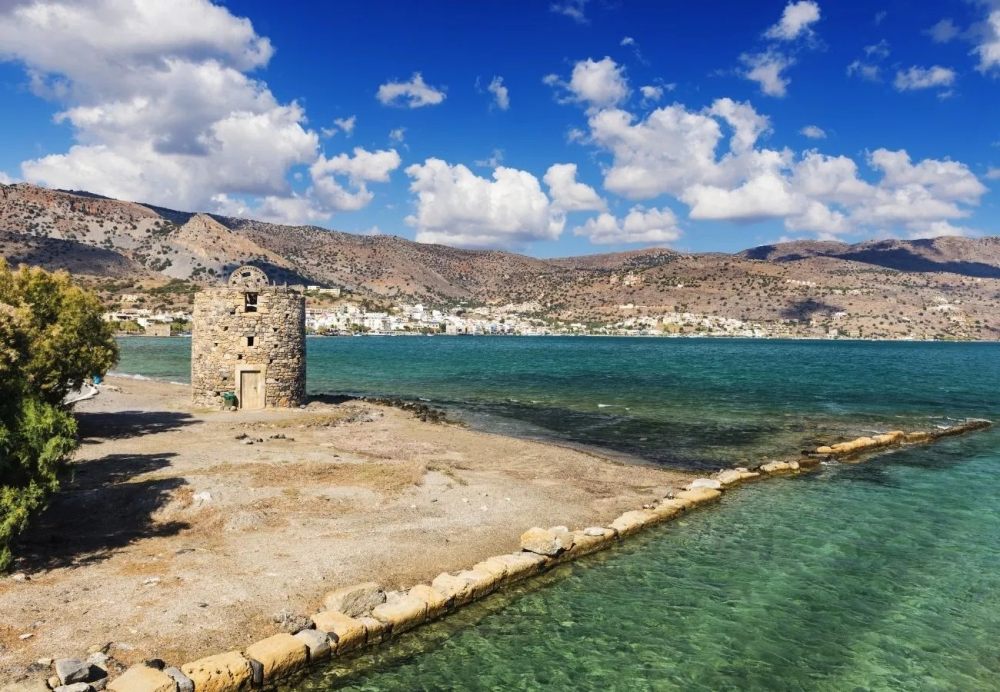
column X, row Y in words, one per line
column 701, row 126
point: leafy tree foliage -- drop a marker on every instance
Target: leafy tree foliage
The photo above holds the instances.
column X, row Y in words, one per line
column 52, row 339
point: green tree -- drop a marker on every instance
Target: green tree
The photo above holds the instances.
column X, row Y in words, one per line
column 52, row 339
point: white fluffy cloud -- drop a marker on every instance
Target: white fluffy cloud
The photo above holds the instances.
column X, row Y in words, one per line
column 568, row 194
column 767, row 70
column 796, row 20
column 415, row 93
column 639, row 226
column 651, row 93
column 813, row 132
column 360, row 169
column 988, row 47
column 161, row 105
column 457, row 207
column 924, row 78
column 712, row 160
column 943, row 31
column 501, row 95
column 596, row 83
column 574, row 9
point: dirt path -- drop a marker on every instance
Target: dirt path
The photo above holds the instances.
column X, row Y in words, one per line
column 176, row 539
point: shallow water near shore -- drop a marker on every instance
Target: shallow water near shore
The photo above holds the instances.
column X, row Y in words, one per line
column 883, row 575
column 691, row 403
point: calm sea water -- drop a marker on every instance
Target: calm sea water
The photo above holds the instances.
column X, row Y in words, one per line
column 884, row 575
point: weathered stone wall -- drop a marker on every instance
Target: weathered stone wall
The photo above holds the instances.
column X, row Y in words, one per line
column 221, row 343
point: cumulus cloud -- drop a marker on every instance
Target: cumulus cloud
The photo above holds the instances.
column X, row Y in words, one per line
column 5, row 179
column 813, row 132
column 568, row 194
column 415, row 93
column 868, row 67
column 345, row 125
column 712, row 160
column 943, row 31
column 161, row 105
column 574, row 9
column 457, row 207
column 767, row 70
column 596, row 83
column 397, row 134
column 651, row 93
column 932, row 77
column 639, row 226
column 501, row 96
column 988, row 46
column 993, row 173
column 796, row 20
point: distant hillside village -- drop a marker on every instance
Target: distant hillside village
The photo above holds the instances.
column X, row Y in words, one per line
column 334, row 312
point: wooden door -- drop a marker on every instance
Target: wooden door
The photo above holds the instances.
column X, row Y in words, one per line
column 251, row 389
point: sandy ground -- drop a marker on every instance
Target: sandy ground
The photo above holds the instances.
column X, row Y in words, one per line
column 176, row 539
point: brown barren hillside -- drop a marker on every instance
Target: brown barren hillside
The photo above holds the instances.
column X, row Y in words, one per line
column 937, row 288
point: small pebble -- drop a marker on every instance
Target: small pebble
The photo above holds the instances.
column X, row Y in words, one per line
column 26, row 635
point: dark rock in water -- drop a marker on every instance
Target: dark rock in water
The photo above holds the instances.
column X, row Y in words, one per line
column 422, row 411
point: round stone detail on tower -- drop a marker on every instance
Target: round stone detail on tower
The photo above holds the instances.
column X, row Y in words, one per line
column 248, row 276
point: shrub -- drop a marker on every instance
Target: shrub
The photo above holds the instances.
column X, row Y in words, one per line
column 52, row 339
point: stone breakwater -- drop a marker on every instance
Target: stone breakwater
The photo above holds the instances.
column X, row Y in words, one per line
column 368, row 615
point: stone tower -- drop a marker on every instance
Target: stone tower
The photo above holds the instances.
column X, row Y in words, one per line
column 249, row 340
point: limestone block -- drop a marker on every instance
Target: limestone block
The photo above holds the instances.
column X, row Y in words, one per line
column 401, row 612
column 776, row 467
column 280, row 655
column 825, row 449
column 355, row 600
column 587, row 541
column 498, row 568
column 668, row 508
column 435, row 600
column 468, row 585
column 316, row 642
column 346, row 632
column 633, row 521
column 545, row 541
column 807, row 462
column 376, row 631
column 695, row 498
column 703, row 483
column 143, row 679
column 917, row 436
column 228, row 672
column 731, row 477
column 30, row 685
column 521, row 565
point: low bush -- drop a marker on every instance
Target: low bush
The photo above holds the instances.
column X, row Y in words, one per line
column 52, row 340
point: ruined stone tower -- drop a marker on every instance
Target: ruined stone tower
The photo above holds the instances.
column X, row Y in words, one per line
column 249, row 340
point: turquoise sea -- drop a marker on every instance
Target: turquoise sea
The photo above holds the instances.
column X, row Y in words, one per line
column 879, row 576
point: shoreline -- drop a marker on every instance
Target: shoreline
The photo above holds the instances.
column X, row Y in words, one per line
column 174, row 536
column 583, row 490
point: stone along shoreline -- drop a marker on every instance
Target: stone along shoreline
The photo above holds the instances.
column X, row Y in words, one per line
column 367, row 614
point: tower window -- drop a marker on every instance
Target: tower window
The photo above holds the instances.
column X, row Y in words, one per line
column 249, row 302
column 250, row 341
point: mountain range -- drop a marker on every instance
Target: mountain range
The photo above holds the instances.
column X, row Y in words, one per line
column 945, row 287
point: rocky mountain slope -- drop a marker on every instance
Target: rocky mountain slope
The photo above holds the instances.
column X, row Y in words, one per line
column 945, row 287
